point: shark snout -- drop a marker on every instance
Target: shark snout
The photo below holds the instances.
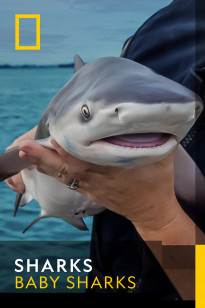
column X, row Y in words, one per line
column 172, row 118
column 169, row 113
column 132, row 112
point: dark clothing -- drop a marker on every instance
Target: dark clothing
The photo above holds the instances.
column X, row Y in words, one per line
column 171, row 42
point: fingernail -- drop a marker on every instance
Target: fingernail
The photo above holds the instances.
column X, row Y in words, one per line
column 25, row 148
column 22, row 154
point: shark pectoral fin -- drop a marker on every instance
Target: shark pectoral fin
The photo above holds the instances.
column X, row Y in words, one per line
column 26, row 198
column 11, row 163
column 78, row 63
column 76, row 221
column 17, row 203
column 33, row 222
column 22, row 199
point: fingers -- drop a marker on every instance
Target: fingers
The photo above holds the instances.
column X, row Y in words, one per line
column 32, row 152
column 60, row 150
column 37, row 154
column 65, row 155
column 57, row 163
column 78, row 164
column 61, row 165
column 47, row 161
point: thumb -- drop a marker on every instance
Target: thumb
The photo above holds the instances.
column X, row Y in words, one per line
column 65, row 155
column 46, row 160
column 39, row 155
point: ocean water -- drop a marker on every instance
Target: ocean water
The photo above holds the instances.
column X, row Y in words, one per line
column 24, row 94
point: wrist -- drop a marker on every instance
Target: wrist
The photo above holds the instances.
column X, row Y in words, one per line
column 173, row 227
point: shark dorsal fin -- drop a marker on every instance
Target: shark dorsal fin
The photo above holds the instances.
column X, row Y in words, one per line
column 78, row 63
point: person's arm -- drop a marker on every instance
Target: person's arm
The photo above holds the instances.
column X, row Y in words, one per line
column 173, row 245
column 27, row 136
column 15, row 182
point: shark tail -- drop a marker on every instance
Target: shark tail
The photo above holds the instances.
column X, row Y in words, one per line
column 11, row 163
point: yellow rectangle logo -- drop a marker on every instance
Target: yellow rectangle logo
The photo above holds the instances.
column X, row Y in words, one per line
column 37, row 17
column 200, row 276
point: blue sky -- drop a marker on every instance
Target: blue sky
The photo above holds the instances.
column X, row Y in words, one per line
column 91, row 28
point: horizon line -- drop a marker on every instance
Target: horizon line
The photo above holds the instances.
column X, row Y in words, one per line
column 60, row 65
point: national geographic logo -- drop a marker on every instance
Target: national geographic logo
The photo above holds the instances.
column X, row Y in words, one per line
column 17, row 44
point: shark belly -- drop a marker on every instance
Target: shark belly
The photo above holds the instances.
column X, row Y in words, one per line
column 56, row 200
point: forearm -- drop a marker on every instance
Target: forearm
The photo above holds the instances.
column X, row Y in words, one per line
column 28, row 135
column 173, row 246
column 177, row 230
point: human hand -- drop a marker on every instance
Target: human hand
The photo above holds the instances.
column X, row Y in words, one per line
column 142, row 194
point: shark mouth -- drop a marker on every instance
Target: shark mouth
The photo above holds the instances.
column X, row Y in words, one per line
column 142, row 140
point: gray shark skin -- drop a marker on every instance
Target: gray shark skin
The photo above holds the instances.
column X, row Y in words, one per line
column 113, row 112
column 11, row 163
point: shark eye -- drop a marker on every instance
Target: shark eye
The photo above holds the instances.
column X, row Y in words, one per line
column 85, row 111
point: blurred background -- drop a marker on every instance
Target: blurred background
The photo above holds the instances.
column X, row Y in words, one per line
column 89, row 28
